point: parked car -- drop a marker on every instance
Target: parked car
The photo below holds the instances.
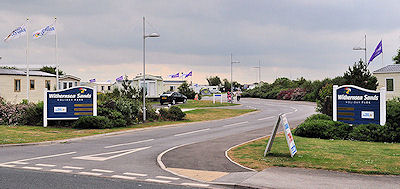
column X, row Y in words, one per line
column 172, row 97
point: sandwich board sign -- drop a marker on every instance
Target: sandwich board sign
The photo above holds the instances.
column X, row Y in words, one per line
column 69, row 104
column 282, row 120
column 356, row 105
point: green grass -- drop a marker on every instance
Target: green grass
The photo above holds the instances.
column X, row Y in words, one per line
column 28, row 134
column 338, row 155
column 203, row 103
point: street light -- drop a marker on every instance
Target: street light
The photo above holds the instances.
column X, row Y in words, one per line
column 259, row 71
column 363, row 49
column 232, row 62
column 144, row 66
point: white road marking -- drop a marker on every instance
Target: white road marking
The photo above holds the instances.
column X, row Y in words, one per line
column 136, row 174
column 168, row 178
column 61, row 170
column 159, row 181
column 192, row 132
column 124, row 144
column 236, row 124
column 18, row 163
column 42, row 157
column 4, row 165
column 102, row 170
column 119, row 153
column 45, row 165
column 266, row 118
column 90, row 173
column 123, row 177
column 32, row 168
column 195, row 184
column 70, row 167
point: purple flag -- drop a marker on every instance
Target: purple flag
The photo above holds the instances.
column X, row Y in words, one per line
column 174, row 75
column 92, row 80
column 120, row 78
column 378, row 51
column 189, row 74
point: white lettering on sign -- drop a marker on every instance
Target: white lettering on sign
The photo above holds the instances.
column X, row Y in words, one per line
column 70, row 95
column 365, row 97
column 367, row 115
column 60, row 109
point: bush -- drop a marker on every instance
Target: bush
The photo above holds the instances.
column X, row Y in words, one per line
column 318, row 116
column 116, row 118
column 92, row 122
column 173, row 114
column 369, row 132
column 315, row 129
column 34, row 114
column 12, row 114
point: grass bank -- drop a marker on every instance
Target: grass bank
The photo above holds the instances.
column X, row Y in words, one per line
column 28, row 134
column 203, row 103
column 337, row 155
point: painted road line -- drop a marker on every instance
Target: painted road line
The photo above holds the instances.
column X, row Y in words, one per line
column 195, row 184
column 192, row 132
column 19, row 163
column 4, row 165
column 236, row 124
column 61, row 170
column 102, row 170
column 70, row 167
column 136, row 174
column 124, row 144
column 159, row 181
column 123, row 177
column 168, row 178
column 95, row 157
column 32, row 168
column 45, row 165
column 266, row 118
column 43, row 157
column 90, row 173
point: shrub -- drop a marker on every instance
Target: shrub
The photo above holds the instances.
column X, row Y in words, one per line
column 369, row 132
column 116, row 118
column 92, row 122
column 12, row 114
column 174, row 113
column 318, row 116
column 339, row 130
column 315, row 129
column 34, row 114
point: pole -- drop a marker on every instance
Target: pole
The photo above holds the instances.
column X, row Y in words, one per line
column 27, row 62
column 365, row 48
column 231, row 80
column 382, row 52
column 56, row 59
column 144, row 71
column 259, row 71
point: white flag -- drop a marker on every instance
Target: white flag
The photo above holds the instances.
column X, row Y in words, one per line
column 50, row 29
column 17, row 33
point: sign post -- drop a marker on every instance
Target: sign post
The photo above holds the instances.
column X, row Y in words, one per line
column 288, row 134
column 356, row 105
column 69, row 104
column 216, row 95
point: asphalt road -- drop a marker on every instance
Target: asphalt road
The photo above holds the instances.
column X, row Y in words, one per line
column 133, row 156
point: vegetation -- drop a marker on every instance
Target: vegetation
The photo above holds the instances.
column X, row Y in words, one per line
column 203, row 104
column 172, row 114
column 359, row 75
column 185, row 90
column 396, row 58
column 338, row 155
column 51, row 70
column 214, row 81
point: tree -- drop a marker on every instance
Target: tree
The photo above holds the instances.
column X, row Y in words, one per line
column 51, row 70
column 396, row 58
column 360, row 76
column 227, row 85
column 185, row 90
column 214, row 81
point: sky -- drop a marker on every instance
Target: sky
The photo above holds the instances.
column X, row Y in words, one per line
column 102, row 39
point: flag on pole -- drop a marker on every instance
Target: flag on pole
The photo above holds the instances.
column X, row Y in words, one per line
column 189, row 74
column 50, row 29
column 92, row 80
column 174, row 75
column 120, row 78
column 377, row 52
column 17, row 33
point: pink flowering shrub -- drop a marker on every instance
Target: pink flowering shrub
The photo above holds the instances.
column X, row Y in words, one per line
column 292, row 94
column 12, row 114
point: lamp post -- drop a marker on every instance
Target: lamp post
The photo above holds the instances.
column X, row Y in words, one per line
column 144, row 66
column 363, row 49
column 259, row 71
column 232, row 62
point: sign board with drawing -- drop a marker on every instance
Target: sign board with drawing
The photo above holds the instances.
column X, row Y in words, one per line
column 282, row 120
column 69, row 104
column 356, row 105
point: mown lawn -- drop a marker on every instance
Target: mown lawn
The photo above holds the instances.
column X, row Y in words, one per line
column 338, row 155
column 27, row 134
column 203, row 103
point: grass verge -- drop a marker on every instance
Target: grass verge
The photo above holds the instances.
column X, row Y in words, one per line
column 28, row 134
column 204, row 103
column 337, row 155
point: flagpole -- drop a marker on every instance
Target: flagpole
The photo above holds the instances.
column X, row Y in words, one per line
column 382, row 53
column 27, row 63
column 56, row 59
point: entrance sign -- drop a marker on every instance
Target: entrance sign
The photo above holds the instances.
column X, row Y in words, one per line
column 69, row 104
column 288, row 134
column 217, row 95
column 356, row 105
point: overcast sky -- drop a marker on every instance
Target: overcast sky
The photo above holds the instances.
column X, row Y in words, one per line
column 103, row 39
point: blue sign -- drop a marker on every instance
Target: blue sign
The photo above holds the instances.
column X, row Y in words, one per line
column 70, row 103
column 355, row 105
